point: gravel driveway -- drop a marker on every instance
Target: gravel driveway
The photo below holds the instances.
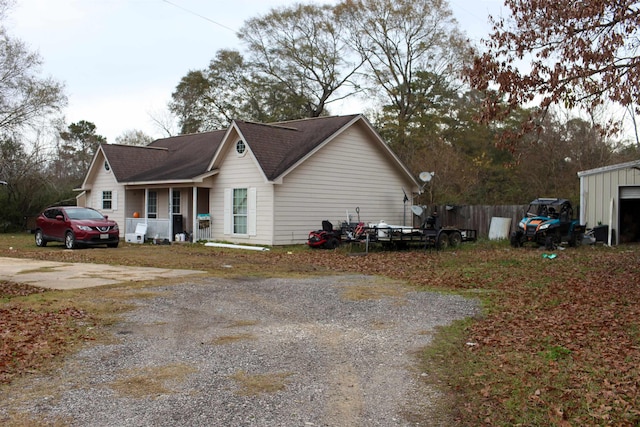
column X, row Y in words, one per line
column 331, row 351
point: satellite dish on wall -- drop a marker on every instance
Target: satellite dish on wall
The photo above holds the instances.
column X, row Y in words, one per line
column 417, row 210
column 425, row 176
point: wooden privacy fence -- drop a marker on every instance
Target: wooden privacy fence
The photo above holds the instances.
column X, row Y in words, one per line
column 478, row 217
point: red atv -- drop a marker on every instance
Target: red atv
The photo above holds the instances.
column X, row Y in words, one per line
column 327, row 238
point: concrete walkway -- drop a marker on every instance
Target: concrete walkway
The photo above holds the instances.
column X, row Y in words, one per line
column 61, row 275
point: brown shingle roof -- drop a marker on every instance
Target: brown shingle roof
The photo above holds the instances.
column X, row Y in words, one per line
column 175, row 158
column 188, row 156
column 128, row 160
column 279, row 146
column 276, row 146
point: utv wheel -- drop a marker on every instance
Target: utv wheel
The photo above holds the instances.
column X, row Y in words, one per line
column 455, row 239
column 575, row 240
column 40, row 240
column 69, row 240
column 549, row 243
column 515, row 240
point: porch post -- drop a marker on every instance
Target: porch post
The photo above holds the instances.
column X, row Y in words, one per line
column 194, row 214
column 170, row 214
column 146, row 206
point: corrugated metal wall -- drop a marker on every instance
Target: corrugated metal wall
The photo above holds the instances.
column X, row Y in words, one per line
column 601, row 188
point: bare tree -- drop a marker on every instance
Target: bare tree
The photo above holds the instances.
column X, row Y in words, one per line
column 164, row 121
column 305, row 51
column 400, row 38
column 24, row 96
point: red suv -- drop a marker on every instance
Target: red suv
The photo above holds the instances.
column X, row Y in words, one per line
column 76, row 226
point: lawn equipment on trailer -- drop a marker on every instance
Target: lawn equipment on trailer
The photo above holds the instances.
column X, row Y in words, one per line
column 327, row 238
column 430, row 234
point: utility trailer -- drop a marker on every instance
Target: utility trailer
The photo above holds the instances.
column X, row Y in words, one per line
column 430, row 234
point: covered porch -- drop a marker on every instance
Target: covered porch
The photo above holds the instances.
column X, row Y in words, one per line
column 172, row 213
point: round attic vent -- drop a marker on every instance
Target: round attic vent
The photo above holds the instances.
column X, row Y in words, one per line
column 106, row 166
column 241, row 148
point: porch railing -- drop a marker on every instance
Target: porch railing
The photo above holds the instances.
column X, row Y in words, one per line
column 160, row 228
column 156, row 228
column 203, row 232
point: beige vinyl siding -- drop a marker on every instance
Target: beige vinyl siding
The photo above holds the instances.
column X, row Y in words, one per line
column 242, row 172
column 106, row 181
column 349, row 172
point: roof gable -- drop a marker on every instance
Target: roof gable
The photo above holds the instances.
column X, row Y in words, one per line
column 278, row 146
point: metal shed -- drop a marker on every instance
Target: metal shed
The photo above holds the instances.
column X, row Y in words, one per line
column 610, row 196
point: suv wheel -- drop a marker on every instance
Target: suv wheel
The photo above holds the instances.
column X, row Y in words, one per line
column 69, row 240
column 40, row 240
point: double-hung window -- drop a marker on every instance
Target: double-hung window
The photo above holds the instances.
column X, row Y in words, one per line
column 107, row 200
column 240, row 211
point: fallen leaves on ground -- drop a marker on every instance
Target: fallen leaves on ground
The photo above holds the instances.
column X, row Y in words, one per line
column 558, row 343
column 30, row 337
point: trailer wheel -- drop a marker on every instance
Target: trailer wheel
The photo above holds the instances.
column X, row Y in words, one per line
column 455, row 238
column 443, row 241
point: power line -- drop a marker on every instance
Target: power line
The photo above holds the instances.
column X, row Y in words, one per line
column 200, row 16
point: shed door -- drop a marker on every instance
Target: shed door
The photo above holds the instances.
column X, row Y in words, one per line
column 629, row 221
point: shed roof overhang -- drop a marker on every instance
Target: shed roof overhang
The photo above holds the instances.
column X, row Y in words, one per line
column 628, row 165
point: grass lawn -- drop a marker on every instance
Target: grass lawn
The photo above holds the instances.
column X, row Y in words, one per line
column 558, row 342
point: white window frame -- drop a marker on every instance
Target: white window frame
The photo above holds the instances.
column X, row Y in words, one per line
column 240, row 210
column 107, row 200
column 113, row 200
column 230, row 215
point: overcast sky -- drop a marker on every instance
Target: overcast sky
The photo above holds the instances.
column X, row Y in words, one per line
column 120, row 60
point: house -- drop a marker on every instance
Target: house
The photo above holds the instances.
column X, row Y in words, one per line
column 264, row 184
column 610, row 196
